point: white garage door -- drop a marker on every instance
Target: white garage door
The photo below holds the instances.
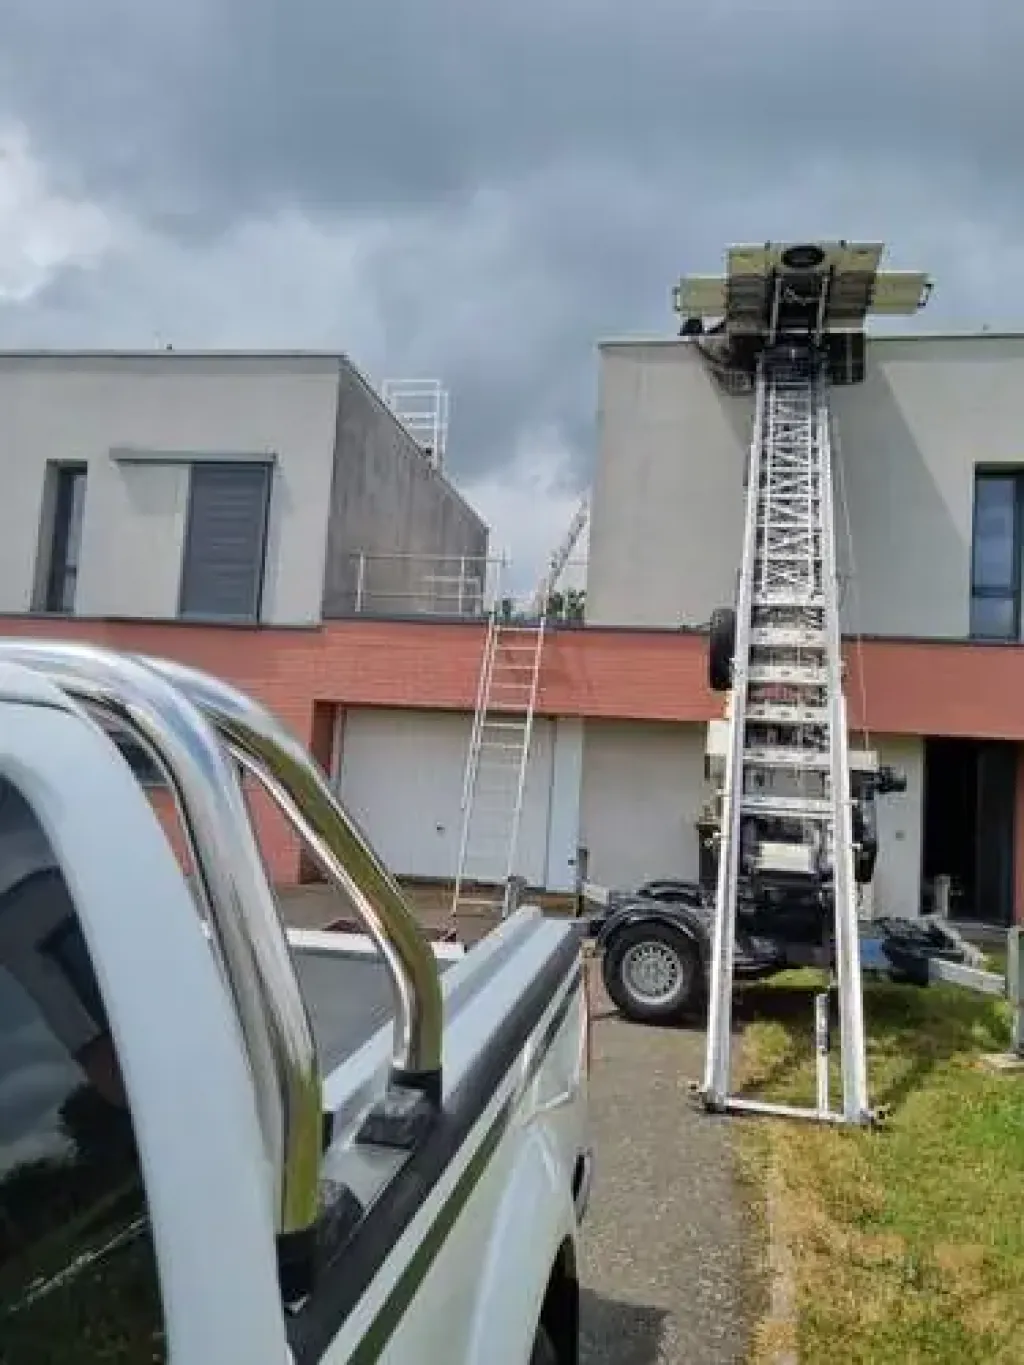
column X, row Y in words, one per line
column 401, row 778
column 642, row 791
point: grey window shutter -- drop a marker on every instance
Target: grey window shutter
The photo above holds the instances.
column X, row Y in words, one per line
column 222, row 574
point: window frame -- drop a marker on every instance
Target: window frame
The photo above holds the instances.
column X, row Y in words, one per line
column 145, row 771
column 980, row 593
column 119, row 867
column 61, row 936
column 266, row 465
column 60, row 482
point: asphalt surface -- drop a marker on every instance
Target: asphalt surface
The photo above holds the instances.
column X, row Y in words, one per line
column 665, row 1243
column 665, row 1246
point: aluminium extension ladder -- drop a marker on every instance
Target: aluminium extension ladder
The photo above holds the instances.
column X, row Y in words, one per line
column 787, row 772
column 494, row 782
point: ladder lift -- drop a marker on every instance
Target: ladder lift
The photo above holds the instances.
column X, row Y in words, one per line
column 497, row 761
column 790, row 320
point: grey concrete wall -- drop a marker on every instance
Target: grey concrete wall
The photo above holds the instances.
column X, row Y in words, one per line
column 91, row 407
column 666, row 525
column 389, row 504
column 667, row 510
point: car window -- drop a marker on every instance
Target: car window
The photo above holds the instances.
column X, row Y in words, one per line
column 78, row 1279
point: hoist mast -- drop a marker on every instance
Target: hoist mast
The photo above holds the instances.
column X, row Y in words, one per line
column 789, row 325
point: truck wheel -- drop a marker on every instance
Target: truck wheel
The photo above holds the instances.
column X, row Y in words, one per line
column 652, row 973
column 543, row 1352
column 721, row 647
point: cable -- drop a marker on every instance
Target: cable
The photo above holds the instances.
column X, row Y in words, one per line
column 852, row 581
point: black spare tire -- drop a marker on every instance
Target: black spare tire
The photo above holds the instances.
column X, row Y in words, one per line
column 721, row 647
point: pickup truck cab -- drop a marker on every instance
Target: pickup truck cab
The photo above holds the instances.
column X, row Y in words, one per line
column 226, row 1143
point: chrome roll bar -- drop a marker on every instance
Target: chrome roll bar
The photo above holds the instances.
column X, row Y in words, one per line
column 196, row 729
column 282, row 765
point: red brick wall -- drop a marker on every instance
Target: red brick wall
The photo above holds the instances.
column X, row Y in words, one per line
column 304, row 675
column 911, row 687
column 321, row 746
column 266, row 664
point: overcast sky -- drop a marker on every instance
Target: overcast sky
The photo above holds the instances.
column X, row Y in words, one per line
column 478, row 190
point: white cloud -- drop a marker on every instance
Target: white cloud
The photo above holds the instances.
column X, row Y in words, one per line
column 529, row 507
column 42, row 231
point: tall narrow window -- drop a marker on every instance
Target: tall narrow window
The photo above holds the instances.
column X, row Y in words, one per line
column 225, row 540
column 996, row 556
column 63, row 543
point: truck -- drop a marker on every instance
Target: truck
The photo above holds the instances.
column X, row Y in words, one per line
column 655, row 940
column 227, row 1141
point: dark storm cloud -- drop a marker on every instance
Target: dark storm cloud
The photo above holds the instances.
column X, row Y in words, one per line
column 620, row 143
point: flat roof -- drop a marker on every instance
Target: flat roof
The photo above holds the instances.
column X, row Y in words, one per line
column 192, row 352
column 949, row 334
column 165, row 355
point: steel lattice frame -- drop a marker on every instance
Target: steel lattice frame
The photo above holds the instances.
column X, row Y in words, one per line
column 788, row 757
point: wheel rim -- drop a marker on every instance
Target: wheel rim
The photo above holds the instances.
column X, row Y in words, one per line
column 652, row 971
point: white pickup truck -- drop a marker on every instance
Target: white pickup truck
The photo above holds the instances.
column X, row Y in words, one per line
column 225, row 1143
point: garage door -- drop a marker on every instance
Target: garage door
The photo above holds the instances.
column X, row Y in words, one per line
column 401, row 778
column 642, row 793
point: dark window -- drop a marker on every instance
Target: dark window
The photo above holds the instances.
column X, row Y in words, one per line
column 64, row 504
column 225, row 540
column 78, row 1278
column 996, row 555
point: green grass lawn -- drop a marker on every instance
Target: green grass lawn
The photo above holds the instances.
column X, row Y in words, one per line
column 907, row 1241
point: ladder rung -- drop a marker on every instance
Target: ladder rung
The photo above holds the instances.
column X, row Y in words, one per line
column 789, row 555
column 788, row 637
column 795, row 675
column 779, row 713
column 796, row 807
column 775, row 756
column 779, row 597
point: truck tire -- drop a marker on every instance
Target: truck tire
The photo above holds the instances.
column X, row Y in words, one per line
column 543, row 1352
column 721, row 647
column 652, row 973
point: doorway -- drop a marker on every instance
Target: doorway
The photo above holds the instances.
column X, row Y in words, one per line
column 969, row 824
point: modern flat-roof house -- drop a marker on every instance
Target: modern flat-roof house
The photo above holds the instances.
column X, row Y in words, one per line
column 221, row 508
column 225, row 489
column 929, row 474
column 379, row 675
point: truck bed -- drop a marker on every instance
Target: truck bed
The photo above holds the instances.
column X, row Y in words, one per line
column 348, row 996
